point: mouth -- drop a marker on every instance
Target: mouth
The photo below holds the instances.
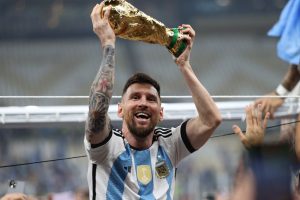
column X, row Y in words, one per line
column 142, row 116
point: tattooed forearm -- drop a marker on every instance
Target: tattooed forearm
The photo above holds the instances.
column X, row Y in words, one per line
column 104, row 79
column 101, row 93
column 97, row 112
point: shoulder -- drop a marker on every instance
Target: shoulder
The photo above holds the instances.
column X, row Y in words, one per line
column 116, row 132
column 163, row 132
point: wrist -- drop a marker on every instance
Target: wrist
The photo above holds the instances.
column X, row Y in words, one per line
column 107, row 42
column 281, row 90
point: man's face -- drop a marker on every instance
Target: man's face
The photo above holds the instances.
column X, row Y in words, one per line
column 141, row 109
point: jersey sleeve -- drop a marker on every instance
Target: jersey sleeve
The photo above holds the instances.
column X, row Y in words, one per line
column 98, row 153
column 177, row 145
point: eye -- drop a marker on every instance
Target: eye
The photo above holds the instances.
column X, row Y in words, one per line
column 135, row 97
column 152, row 98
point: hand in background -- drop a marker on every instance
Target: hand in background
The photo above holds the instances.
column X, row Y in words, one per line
column 255, row 130
column 269, row 104
column 15, row 196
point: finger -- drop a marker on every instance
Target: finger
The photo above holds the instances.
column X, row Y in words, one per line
column 188, row 31
column 101, row 5
column 249, row 116
column 186, row 28
column 185, row 37
column 267, row 116
column 257, row 101
column 107, row 12
column 259, row 115
column 94, row 11
column 254, row 115
column 96, row 16
column 272, row 112
column 101, row 9
column 236, row 129
column 267, row 108
column 264, row 108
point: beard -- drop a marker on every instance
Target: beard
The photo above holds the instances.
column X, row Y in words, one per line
column 140, row 132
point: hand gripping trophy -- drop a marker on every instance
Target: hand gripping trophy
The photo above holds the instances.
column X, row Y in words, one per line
column 130, row 23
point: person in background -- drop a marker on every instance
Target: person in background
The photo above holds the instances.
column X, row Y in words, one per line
column 288, row 49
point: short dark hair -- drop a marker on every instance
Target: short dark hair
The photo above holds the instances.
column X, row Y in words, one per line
column 141, row 78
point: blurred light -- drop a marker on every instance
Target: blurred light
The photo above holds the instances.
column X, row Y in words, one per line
column 57, row 10
column 20, row 5
column 223, row 3
column 259, row 4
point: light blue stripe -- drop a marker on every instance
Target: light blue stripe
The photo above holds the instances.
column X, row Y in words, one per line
column 288, row 29
column 162, row 153
column 144, row 158
column 119, row 171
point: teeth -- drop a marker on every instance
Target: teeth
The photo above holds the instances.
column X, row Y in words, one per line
column 142, row 115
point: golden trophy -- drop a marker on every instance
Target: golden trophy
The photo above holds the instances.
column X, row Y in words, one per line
column 130, row 23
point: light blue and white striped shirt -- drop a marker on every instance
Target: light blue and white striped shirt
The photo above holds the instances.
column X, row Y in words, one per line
column 118, row 171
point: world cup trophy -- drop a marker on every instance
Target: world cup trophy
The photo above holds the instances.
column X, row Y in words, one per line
column 130, row 23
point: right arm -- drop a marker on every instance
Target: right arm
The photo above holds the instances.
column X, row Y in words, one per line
column 98, row 123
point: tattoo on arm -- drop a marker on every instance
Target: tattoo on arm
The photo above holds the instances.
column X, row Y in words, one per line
column 101, row 93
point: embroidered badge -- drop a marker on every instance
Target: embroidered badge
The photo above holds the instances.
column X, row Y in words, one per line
column 161, row 168
column 144, row 174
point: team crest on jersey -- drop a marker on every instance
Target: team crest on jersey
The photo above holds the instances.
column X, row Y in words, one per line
column 144, row 174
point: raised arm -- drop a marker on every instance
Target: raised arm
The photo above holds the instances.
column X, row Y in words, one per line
column 98, row 123
column 200, row 128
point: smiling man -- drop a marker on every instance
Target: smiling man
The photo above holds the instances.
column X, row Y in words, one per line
column 139, row 161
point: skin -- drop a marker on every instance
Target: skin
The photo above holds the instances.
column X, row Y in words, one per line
column 256, row 126
column 289, row 81
column 140, row 98
column 143, row 97
column 15, row 196
column 98, row 123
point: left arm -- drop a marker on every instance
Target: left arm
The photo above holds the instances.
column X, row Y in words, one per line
column 200, row 128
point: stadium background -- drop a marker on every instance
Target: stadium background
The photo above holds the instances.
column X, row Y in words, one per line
column 48, row 48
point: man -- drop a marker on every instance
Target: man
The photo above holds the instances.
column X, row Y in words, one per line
column 139, row 161
column 288, row 49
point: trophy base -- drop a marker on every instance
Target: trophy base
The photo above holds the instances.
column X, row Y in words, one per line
column 176, row 47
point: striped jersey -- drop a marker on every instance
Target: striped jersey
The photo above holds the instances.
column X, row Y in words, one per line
column 118, row 171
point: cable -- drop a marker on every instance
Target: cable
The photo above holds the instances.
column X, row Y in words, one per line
column 42, row 161
column 83, row 156
column 269, row 127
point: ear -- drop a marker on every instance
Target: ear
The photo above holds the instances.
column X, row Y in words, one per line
column 120, row 110
column 161, row 114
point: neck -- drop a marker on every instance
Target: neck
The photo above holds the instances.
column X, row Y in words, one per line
column 137, row 142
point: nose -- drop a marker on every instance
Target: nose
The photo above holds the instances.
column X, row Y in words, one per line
column 143, row 102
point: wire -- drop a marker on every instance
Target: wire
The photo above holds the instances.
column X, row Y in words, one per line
column 42, row 161
column 269, row 127
column 83, row 156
